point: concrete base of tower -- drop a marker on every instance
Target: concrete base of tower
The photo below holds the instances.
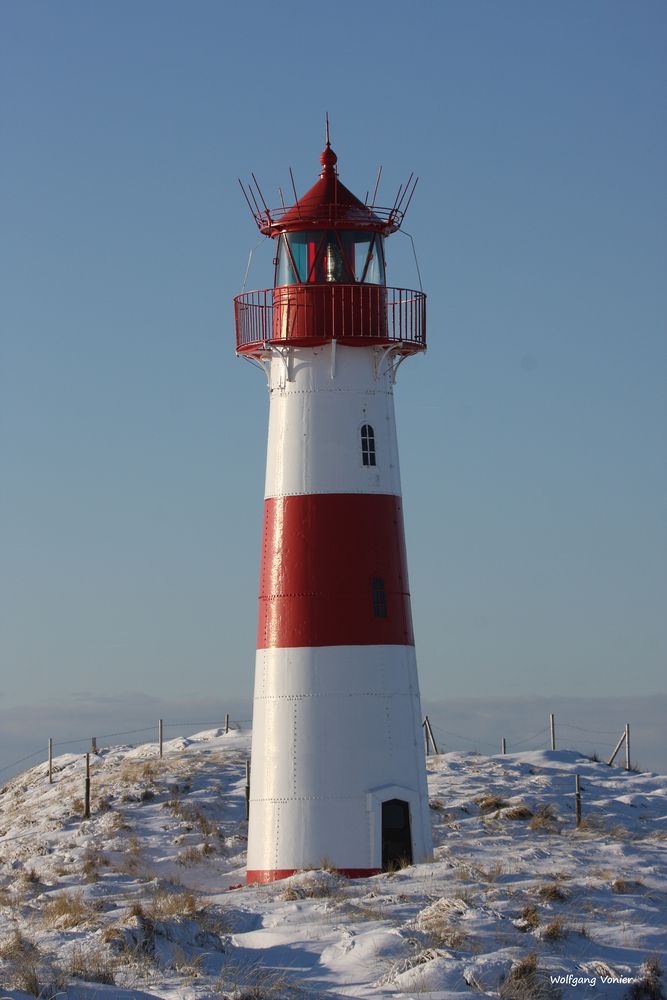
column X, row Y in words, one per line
column 278, row 873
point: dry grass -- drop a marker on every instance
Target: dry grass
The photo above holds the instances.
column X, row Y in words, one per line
column 194, row 855
column 255, row 982
column 93, row 860
column 173, row 903
column 519, row 811
column 8, row 898
column 552, row 893
column 554, row 931
column 491, row 874
column 89, row 965
column 134, row 771
column 490, row 804
column 528, row 982
column 166, row 903
column 398, row 865
column 530, row 918
column 444, row 935
column 67, row 909
column 315, row 886
column 545, row 820
column 650, row 986
column 21, row 957
column 624, row 886
column 186, row 965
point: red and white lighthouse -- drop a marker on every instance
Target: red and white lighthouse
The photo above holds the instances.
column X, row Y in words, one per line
column 338, row 770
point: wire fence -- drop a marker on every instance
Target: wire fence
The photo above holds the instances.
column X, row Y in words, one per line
column 42, row 751
column 446, row 738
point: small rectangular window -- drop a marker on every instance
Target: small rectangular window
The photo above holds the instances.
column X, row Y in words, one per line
column 379, row 597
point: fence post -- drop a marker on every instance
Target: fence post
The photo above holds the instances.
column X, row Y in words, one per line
column 431, row 734
column 226, row 723
column 93, row 744
column 160, row 734
column 577, row 799
column 616, row 749
column 552, row 728
column 50, row 760
column 86, row 805
column 503, row 745
column 429, row 737
column 627, row 746
column 247, row 789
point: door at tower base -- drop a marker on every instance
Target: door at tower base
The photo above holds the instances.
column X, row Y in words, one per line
column 331, row 724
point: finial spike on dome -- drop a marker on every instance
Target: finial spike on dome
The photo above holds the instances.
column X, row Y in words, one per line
column 328, row 158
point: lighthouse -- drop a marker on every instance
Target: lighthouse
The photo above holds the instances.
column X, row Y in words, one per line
column 338, row 770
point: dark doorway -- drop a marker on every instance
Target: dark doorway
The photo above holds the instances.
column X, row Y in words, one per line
column 396, row 839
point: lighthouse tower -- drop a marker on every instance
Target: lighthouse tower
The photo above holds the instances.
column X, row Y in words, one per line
column 338, row 770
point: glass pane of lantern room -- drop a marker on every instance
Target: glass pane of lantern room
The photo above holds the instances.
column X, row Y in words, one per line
column 368, row 258
column 285, row 274
column 294, row 253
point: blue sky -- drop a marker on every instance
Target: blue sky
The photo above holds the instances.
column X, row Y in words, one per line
column 532, row 433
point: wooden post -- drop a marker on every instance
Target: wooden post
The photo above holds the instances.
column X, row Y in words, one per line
column 503, row 745
column 616, row 749
column 226, row 723
column 427, row 743
column 86, row 805
column 50, row 760
column 247, row 789
column 577, row 799
column 93, row 744
column 160, row 734
column 552, row 728
column 430, row 732
column 627, row 746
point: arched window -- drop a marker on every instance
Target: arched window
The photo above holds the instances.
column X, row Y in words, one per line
column 367, row 445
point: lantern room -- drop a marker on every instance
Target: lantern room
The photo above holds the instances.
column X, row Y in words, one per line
column 330, row 273
column 330, row 255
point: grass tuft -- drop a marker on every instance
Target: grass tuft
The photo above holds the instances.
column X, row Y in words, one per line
column 528, row 982
column 490, row 803
column 545, row 820
column 66, row 910
column 650, row 986
column 520, row 811
column 552, row 893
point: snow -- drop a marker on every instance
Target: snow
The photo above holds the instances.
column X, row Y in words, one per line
column 146, row 899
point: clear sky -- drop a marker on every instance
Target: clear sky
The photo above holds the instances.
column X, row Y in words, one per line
column 532, row 433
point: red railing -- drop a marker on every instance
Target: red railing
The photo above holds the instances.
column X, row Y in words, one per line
column 316, row 313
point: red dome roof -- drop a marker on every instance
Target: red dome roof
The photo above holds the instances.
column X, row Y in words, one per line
column 328, row 205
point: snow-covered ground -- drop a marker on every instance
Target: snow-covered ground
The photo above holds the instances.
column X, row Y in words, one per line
column 140, row 900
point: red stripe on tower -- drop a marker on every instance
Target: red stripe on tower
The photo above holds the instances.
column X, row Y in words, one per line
column 334, row 572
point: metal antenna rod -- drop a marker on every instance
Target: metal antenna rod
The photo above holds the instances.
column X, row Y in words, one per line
column 252, row 195
column 407, row 204
column 377, row 185
column 252, row 212
column 326, row 119
column 296, row 197
column 397, row 197
column 405, row 191
column 259, row 191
